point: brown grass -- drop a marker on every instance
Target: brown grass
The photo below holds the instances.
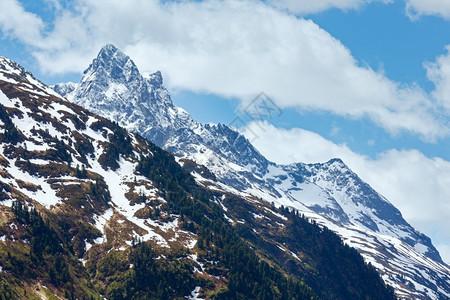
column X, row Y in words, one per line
column 28, row 185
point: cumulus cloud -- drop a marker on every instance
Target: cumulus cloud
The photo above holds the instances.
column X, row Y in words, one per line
column 418, row 8
column 313, row 6
column 439, row 73
column 19, row 24
column 304, row 145
column 419, row 186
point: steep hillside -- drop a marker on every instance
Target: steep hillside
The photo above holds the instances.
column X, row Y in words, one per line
column 329, row 193
column 89, row 210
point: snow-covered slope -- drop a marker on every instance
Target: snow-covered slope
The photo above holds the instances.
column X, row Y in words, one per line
column 49, row 129
column 329, row 192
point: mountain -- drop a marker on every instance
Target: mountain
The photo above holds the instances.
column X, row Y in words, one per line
column 328, row 193
column 112, row 96
column 91, row 211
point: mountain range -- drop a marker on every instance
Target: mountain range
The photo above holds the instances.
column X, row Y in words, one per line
column 91, row 211
column 330, row 193
column 92, row 206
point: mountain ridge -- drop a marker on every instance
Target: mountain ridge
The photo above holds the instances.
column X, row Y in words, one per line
column 91, row 211
column 307, row 188
column 183, row 137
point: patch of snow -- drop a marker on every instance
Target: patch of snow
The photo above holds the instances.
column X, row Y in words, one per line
column 276, row 214
column 46, row 195
column 100, row 221
column 99, row 240
column 295, row 255
column 195, row 293
column 115, row 89
column 5, row 101
column 257, row 216
column 228, row 218
column 117, row 189
column 421, row 248
column 282, row 249
column 39, row 161
column 191, row 244
column 88, row 245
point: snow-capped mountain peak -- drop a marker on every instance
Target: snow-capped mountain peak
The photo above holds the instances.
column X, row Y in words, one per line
column 113, row 87
column 115, row 63
column 111, row 73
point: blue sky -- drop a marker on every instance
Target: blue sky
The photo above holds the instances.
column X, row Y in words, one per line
column 364, row 80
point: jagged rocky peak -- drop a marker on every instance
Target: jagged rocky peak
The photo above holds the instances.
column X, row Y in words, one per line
column 64, row 89
column 116, row 64
column 365, row 206
column 111, row 82
column 116, row 71
column 336, row 162
column 112, row 86
column 155, row 79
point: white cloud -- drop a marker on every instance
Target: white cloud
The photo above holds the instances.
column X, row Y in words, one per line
column 417, row 8
column 314, row 6
column 288, row 146
column 16, row 23
column 417, row 185
column 439, row 73
column 238, row 49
